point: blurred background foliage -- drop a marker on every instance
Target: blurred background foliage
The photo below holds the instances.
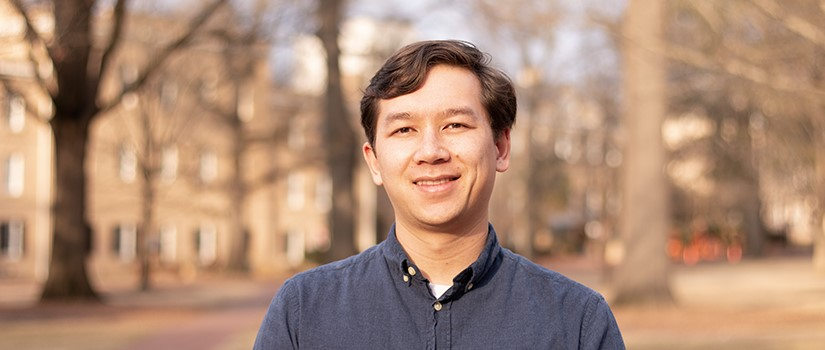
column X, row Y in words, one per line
column 649, row 133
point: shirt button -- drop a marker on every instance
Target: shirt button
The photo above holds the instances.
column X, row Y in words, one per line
column 437, row 306
column 411, row 270
column 406, row 278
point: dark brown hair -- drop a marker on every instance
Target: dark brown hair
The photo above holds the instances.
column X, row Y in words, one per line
column 405, row 71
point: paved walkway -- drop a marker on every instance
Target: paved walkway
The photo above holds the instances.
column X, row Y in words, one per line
column 765, row 304
column 218, row 314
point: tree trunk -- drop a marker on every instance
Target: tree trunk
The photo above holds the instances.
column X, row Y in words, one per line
column 750, row 198
column 817, row 115
column 531, row 213
column 72, row 235
column 339, row 137
column 819, row 188
column 144, row 237
column 239, row 246
column 77, row 74
column 148, row 167
column 642, row 276
column 751, row 206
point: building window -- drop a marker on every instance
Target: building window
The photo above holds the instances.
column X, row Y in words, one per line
column 323, row 193
column 169, row 164
column 295, row 191
column 17, row 113
column 246, row 103
column 127, row 160
column 296, row 139
column 15, row 167
column 168, row 94
column 207, row 87
column 168, row 243
column 295, row 247
column 11, row 240
column 208, row 169
column 128, row 75
column 124, row 242
column 206, row 244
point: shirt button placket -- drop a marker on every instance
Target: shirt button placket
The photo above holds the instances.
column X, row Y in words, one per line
column 441, row 327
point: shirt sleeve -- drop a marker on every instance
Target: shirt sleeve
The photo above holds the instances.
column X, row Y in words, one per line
column 599, row 328
column 279, row 329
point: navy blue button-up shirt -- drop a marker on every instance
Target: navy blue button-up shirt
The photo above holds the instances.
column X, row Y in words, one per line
column 379, row 300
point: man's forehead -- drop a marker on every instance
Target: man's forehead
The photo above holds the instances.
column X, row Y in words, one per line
column 446, row 91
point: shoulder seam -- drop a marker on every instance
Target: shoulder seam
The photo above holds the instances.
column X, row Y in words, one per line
column 542, row 272
column 341, row 264
column 293, row 306
column 592, row 303
column 521, row 261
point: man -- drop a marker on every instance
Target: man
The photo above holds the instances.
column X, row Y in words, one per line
column 437, row 119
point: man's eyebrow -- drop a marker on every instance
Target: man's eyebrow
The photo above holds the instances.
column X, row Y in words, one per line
column 392, row 117
column 459, row 111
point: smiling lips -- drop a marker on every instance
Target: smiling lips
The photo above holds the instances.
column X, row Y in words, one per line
column 435, row 184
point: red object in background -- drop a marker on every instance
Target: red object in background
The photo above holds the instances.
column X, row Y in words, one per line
column 734, row 253
column 702, row 247
column 690, row 255
column 674, row 249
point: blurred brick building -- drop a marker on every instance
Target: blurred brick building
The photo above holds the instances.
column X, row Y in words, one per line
column 178, row 129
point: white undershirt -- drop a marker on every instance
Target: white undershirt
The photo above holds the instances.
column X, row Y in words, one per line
column 438, row 289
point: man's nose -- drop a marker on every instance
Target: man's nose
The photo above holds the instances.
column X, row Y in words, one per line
column 431, row 149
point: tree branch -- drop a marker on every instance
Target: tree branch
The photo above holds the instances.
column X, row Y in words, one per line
column 115, row 38
column 31, row 34
column 214, row 108
column 160, row 58
column 708, row 14
column 273, row 174
column 740, row 69
column 34, row 38
column 6, row 84
column 48, row 89
column 792, row 23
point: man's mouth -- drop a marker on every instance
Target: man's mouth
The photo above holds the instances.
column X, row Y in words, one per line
column 435, row 181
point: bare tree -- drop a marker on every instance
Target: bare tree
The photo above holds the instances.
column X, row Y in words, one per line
column 642, row 275
column 241, row 54
column 773, row 52
column 340, row 138
column 80, row 64
column 527, row 28
column 149, row 166
column 162, row 124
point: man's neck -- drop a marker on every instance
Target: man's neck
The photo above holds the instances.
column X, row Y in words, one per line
column 442, row 255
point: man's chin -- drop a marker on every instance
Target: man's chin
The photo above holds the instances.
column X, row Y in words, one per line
column 441, row 221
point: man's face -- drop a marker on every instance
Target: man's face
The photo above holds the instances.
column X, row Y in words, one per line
column 435, row 153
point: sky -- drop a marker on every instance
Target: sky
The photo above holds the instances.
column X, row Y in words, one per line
column 577, row 50
column 572, row 53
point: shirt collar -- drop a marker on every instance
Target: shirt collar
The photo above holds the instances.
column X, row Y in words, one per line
column 467, row 279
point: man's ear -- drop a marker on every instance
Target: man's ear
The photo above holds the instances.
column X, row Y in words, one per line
column 503, row 151
column 372, row 163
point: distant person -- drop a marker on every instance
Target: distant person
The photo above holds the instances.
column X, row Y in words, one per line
column 437, row 118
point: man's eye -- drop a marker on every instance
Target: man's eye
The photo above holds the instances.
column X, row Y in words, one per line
column 455, row 126
column 403, row 130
